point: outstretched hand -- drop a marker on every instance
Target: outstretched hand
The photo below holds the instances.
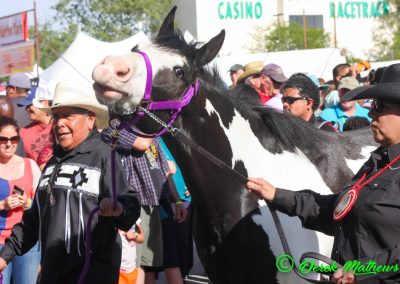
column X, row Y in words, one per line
column 341, row 277
column 261, row 188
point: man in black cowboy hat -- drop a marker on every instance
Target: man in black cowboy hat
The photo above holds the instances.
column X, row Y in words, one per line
column 365, row 217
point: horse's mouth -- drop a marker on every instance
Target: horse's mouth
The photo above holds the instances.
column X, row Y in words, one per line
column 107, row 93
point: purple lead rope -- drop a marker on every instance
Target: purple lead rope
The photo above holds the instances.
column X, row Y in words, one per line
column 89, row 222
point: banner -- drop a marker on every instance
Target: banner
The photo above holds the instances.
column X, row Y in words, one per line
column 16, row 58
column 13, row 28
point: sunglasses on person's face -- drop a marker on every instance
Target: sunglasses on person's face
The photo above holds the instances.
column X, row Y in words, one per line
column 4, row 140
column 291, row 100
column 378, row 106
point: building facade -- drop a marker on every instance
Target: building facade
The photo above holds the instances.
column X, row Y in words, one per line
column 349, row 23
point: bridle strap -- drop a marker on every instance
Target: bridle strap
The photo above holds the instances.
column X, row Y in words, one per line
column 149, row 76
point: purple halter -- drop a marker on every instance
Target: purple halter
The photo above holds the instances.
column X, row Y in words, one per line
column 175, row 106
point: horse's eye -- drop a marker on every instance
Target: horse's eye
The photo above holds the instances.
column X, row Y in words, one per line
column 135, row 48
column 179, row 72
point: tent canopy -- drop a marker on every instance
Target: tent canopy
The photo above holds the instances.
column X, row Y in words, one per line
column 78, row 61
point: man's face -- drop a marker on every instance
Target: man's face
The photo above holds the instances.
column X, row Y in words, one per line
column 345, row 72
column 296, row 104
column 235, row 75
column 345, row 105
column 11, row 92
column 385, row 123
column 267, row 86
column 35, row 114
column 72, row 126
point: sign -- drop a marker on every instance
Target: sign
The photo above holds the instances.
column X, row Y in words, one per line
column 13, row 28
column 240, row 10
column 358, row 9
column 16, row 58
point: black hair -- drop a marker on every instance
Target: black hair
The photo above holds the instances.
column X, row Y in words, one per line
column 339, row 68
column 355, row 122
column 306, row 87
column 8, row 121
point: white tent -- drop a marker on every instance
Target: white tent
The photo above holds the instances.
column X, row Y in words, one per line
column 78, row 61
column 318, row 62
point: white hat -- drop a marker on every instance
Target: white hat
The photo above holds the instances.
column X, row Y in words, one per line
column 69, row 94
column 42, row 93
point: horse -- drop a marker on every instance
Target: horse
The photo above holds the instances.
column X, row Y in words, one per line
column 236, row 239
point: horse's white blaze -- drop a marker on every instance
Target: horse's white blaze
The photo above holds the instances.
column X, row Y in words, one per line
column 354, row 165
column 160, row 59
column 293, row 171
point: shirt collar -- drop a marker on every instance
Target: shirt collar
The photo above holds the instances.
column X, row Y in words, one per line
column 382, row 156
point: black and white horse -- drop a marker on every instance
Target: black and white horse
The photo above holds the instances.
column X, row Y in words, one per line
column 236, row 239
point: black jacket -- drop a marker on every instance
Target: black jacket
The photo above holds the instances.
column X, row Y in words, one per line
column 59, row 214
column 371, row 230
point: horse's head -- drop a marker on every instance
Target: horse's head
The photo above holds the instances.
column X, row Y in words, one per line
column 159, row 72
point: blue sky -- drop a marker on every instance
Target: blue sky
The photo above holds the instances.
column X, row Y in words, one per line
column 44, row 12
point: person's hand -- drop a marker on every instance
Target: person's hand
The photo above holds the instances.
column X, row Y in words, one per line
column 11, row 202
column 124, row 141
column 106, row 208
column 261, row 188
column 180, row 213
column 22, row 200
column 3, row 264
column 341, row 277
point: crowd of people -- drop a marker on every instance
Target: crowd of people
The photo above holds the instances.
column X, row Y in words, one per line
column 56, row 171
column 306, row 96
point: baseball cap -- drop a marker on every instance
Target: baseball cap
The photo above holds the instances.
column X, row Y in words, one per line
column 28, row 99
column 275, row 72
column 19, row 80
column 348, row 83
column 35, row 95
column 235, row 67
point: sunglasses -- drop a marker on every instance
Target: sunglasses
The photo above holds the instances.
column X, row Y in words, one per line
column 378, row 106
column 291, row 100
column 4, row 140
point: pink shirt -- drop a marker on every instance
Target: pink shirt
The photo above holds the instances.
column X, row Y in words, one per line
column 36, row 137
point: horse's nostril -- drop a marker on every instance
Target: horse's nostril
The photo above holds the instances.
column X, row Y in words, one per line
column 122, row 73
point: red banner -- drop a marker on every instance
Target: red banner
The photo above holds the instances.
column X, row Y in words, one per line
column 16, row 58
column 14, row 28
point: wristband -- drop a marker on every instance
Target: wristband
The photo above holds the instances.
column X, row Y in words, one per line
column 29, row 202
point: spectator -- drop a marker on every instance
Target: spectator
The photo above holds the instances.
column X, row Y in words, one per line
column 180, row 244
column 76, row 181
column 355, row 122
column 7, row 109
column 128, row 272
column 251, row 88
column 301, row 98
column 37, row 135
column 341, row 112
column 147, row 170
column 235, row 71
column 340, row 71
column 274, row 75
column 17, row 89
column 18, row 180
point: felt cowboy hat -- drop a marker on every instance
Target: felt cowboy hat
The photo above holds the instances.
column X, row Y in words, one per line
column 250, row 69
column 388, row 88
column 69, row 94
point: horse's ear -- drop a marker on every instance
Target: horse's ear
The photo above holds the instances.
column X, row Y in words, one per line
column 167, row 28
column 208, row 51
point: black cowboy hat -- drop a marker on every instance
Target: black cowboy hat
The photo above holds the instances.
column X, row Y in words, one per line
column 388, row 88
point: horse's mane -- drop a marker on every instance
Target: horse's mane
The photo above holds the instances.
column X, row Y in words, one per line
column 288, row 132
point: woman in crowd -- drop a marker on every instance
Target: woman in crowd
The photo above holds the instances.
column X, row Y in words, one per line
column 365, row 217
column 18, row 180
